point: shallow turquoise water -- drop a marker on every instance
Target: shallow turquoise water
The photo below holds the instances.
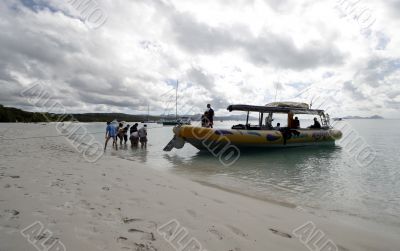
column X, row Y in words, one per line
column 325, row 180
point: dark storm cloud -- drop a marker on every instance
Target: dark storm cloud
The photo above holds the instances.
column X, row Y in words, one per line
column 111, row 100
column 10, row 91
column 377, row 69
column 281, row 52
column 199, row 77
column 61, row 56
column 37, row 5
column 271, row 49
column 355, row 93
column 197, row 37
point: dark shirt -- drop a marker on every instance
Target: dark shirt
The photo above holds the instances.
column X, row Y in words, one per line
column 296, row 123
column 126, row 130
column 316, row 125
column 133, row 129
column 211, row 114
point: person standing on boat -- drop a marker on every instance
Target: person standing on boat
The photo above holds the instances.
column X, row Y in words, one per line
column 210, row 116
column 111, row 132
column 143, row 136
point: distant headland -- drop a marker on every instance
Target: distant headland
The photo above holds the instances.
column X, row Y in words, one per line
column 359, row 117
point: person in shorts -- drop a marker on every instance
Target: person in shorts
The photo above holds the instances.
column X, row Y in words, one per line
column 111, row 132
column 134, row 138
column 126, row 129
column 120, row 133
column 143, row 136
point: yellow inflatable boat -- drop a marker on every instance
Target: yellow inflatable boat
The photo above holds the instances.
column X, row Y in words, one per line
column 262, row 135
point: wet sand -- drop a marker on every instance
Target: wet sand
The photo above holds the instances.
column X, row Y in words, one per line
column 116, row 204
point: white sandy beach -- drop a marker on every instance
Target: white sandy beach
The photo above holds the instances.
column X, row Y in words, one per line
column 116, row 204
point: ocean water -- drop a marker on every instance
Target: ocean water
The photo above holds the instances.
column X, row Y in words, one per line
column 329, row 180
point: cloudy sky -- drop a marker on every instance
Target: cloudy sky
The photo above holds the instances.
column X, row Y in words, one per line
column 126, row 55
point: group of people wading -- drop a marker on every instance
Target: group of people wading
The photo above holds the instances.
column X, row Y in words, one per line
column 137, row 136
column 120, row 132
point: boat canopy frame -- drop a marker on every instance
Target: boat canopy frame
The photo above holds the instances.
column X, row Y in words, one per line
column 285, row 110
column 270, row 109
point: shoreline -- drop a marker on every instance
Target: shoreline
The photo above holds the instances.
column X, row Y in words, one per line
column 117, row 204
column 341, row 215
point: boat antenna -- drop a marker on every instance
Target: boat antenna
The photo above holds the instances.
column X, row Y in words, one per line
column 176, row 100
column 278, row 86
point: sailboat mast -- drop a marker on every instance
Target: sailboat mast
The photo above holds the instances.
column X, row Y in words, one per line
column 176, row 100
column 148, row 112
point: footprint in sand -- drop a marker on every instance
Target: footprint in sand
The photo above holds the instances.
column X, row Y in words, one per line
column 280, row 233
column 127, row 244
column 142, row 235
column 216, row 233
column 341, row 248
column 39, row 214
column 86, row 233
column 144, row 247
column 218, row 201
column 141, row 230
column 121, row 239
column 12, row 212
column 127, row 220
column 237, row 231
column 191, row 213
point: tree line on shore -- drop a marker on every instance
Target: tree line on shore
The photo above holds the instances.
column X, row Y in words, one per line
column 11, row 114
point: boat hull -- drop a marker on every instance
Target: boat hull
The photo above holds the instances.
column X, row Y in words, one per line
column 206, row 138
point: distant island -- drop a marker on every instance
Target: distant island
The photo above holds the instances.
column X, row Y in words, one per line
column 359, row 117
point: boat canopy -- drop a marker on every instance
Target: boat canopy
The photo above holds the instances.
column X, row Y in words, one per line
column 289, row 104
column 274, row 108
